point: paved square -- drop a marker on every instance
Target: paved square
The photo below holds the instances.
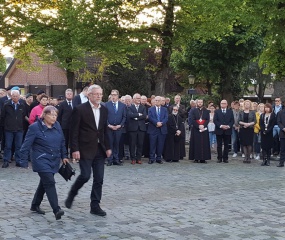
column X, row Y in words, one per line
column 170, row 201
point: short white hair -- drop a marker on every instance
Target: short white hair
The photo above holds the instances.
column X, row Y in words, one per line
column 128, row 97
column 94, row 86
column 15, row 91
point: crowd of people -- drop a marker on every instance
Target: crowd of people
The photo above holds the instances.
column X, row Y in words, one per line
column 95, row 133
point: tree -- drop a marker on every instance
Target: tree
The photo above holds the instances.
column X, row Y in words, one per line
column 219, row 62
column 2, row 64
column 253, row 75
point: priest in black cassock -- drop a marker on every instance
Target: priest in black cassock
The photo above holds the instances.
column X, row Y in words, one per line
column 174, row 135
column 199, row 149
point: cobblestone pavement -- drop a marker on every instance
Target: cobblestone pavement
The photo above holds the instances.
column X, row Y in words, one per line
column 179, row 201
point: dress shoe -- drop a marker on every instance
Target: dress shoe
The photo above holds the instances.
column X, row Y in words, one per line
column 280, row 165
column 127, row 158
column 203, row 161
column 109, row 164
column 159, row 161
column 195, row 161
column 226, row 161
column 37, row 209
column 68, row 202
column 5, row 165
column 133, row 162
column 18, row 165
column 117, row 163
column 98, row 211
column 150, row 162
column 219, row 161
column 58, row 214
column 139, row 162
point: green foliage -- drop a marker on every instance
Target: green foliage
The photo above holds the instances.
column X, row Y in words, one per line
column 2, row 64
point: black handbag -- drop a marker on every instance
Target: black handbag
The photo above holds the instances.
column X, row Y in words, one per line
column 66, row 171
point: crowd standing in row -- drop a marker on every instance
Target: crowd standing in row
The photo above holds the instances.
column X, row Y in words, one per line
column 129, row 128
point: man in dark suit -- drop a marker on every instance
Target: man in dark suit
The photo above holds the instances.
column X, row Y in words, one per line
column 64, row 115
column 80, row 98
column 136, row 128
column 281, row 125
column 90, row 145
column 223, row 120
column 116, row 122
column 157, row 130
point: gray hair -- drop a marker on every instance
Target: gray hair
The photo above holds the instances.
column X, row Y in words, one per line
column 48, row 109
column 68, row 90
column 94, row 86
column 128, row 97
column 15, row 91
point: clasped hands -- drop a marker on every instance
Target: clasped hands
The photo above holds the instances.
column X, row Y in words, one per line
column 225, row 127
column 158, row 124
column 114, row 127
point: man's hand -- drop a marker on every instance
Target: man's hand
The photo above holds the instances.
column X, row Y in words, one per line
column 76, row 155
column 201, row 127
column 158, row 124
column 108, row 153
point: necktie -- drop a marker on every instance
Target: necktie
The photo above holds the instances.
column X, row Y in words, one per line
column 69, row 104
column 158, row 114
column 224, row 111
column 15, row 106
column 115, row 108
column 137, row 107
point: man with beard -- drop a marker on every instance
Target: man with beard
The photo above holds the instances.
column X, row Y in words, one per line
column 199, row 140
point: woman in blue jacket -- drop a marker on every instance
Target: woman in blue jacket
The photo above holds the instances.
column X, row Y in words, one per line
column 45, row 139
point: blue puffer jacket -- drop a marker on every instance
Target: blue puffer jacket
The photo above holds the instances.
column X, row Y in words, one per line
column 47, row 146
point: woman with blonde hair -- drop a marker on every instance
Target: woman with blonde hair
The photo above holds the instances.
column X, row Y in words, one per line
column 247, row 121
column 257, row 138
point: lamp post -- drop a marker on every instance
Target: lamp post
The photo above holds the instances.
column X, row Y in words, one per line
column 191, row 91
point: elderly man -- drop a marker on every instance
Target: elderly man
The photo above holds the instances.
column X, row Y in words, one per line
column 224, row 121
column 12, row 118
column 157, row 130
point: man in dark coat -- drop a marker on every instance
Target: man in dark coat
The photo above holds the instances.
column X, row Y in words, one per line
column 136, row 128
column 64, row 115
column 173, row 138
column 117, row 114
column 224, row 120
column 199, row 140
column 90, row 145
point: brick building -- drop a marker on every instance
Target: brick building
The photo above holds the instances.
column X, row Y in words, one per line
column 50, row 78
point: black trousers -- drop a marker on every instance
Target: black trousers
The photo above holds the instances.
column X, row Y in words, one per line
column 136, row 144
column 66, row 138
column 46, row 185
column 97, row 166
column 282, row 151
column 223, row 155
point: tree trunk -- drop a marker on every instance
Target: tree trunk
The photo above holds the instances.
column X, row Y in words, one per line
column 70, row 76
column 166, row 48
column 226, row 92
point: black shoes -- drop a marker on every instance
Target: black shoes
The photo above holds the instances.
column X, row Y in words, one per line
column 58, row 214
column 159, row 161
column 98, row 211
column 226, row 161
column 5, row 165
column 150, row 162
column 117, row 163
column 219, row 161
column 38, row 210
column 280, row 165
column 68, row 202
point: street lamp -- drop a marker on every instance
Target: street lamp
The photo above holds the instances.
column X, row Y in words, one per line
column 191, row 79
column 191, row 91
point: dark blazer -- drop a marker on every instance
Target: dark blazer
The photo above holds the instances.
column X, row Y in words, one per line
column 281, row 123
column 152, row 117
column 64, row 115
column 76, row 101
column 118, row 118
column 271, row 122
column 84, row 134
column 2, row 101
column 251, row 117
column 136, row 122
column 223, row 119
column 273, row 110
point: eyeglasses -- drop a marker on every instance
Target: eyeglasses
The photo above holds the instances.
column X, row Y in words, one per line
column 176, row 110
column 277, row 100
column 96, row 94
